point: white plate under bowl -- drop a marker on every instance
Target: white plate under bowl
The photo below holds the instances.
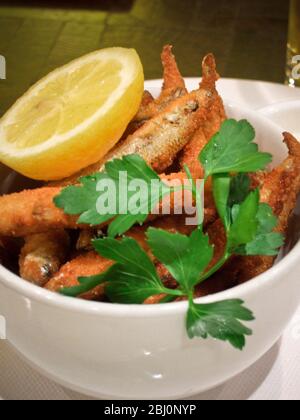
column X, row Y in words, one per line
column 248, row 93
column 286, row 115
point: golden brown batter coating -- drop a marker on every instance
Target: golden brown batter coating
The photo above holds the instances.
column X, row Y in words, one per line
column 173, row 87
column 32, row 211
column 211, row 124
column 92, row 263
column 42, row 256
column 85, row 265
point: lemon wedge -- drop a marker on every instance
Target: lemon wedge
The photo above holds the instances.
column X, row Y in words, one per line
column 74, row 116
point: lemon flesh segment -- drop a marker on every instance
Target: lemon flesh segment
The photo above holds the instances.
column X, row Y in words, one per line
column 74, row 116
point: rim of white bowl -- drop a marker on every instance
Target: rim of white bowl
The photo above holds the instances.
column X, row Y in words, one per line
column 36, row 293
column 196, row 80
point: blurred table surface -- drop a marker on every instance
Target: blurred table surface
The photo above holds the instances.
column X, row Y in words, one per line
column 248, row 37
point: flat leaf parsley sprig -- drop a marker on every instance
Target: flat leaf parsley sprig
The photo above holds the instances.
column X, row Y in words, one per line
column 249, row 225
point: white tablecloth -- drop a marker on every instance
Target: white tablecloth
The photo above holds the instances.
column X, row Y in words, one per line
column 275, row 377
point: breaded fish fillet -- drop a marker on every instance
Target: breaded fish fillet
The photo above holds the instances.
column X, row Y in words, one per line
column 85, row 265
column 173, row 87
column 43, row 255
column 160, row 139
column 33, row 211
column 212, row 124
column 137, row 122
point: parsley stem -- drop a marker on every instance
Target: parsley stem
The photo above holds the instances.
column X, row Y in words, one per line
column 200, row 211
column 173, row 292
column 191, row 297
column 167, row 299
column 217, row 266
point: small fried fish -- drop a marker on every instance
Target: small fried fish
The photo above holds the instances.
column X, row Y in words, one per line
column 42, row 256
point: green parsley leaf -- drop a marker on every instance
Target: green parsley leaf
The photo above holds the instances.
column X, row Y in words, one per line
column 245, row 223
column 229, row 191
column 127, row 287
column 250, row 224
column 85, row 285
column 221, row 191
column 266, row 242
column 81, row 200
column 134, row 166
column 221, row 321
column 123, row 223
column 233, row 150
column 185, row 257
column 134, row 278
column 136, row 170
column 239, row 189
column 267, row 221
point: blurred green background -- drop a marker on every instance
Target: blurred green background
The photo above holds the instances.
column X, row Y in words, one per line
column 248, row 37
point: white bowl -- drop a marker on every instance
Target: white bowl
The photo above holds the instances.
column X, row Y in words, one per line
column 286, row 115
column 142, row 352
